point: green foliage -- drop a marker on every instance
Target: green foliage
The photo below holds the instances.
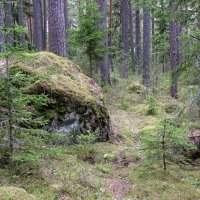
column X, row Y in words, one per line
column 85, row 149
column 166, row 142
column 124, row 105
column 88, row 35
column 154, row 105
column 136, row 87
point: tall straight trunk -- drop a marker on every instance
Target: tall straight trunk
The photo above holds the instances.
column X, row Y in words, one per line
column 45, row 42
column 10, row 117
column 9, row 37
column 38, row 25
column 138, row 43
column 21, row 21
column 146, row 46
column 110, row 24
column 110, row 33
column 66, row 25
column 104, row 64
column 1, row 25
column 125, row 35
column 174, row 52
column 57, row 28
column 30, row 23
column 131, row 35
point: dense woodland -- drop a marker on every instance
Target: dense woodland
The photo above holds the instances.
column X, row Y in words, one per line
column 99, row 99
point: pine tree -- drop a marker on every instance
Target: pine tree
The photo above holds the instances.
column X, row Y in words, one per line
column 146, row 46
column 104, row 63
column 132, row 42
column 138, row 42
column 174, row 51
column 57, row 27
column 21, row 21
column 38, row 25
column 125, row 38
column 1, row 25
column 9, row 23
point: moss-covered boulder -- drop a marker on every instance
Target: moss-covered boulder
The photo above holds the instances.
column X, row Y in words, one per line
column 14, row 193
column 136, row 87
column 75, row 100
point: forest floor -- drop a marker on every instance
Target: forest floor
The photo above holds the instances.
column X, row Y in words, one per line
column 117, row 168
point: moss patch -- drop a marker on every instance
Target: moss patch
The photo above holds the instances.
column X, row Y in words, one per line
column 13, row 193
column 69, row 90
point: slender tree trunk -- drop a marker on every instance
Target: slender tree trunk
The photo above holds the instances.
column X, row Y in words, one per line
column 10, row 117
column 57, row 28
column 1, row 25
column 131, row 36
column 138, row 40
column 66, row 25
column 21, row 21
column 125, row 42
column 110, row 34
column 146, row 46
column 38, row 25
column 174, row 52
column 30, row 24
column 163, row 147
column 104, row 64
column 90, row 66
column 45, row 25
column 9, row 22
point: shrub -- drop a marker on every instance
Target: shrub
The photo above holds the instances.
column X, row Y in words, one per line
column 154, row 105
column 85, row 149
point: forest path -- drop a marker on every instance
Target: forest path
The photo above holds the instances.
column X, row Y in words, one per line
column 128, row 117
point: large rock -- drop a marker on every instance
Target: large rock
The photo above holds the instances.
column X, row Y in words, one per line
column 75, row 102
column 14, row 193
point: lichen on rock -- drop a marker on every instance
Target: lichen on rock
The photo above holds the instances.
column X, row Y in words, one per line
column 73, row 97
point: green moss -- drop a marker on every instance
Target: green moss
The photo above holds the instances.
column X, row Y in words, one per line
column 13, row 193
column 68, row 88
column 136, row 87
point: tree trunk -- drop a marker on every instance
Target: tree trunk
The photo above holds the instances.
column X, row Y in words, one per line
column 9, row 37
column 110, row 34
column 1, row 25
column 57, row 28
column 66, row 25
column 10, row 117
column 90, row 66
column 138, row 40
column 45, row 41
column 21, row 22
column 30, row 24
column 174, row 52
column 146, row 46
column 131, row 36
column 125, row 43
column 38, row 25
column 104, row 64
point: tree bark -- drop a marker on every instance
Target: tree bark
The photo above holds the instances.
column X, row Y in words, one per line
column 146, row 46
column 131, row 36
column 125, row 35
column 110, row 34
column 104, row 64
column 1, row 25
column 21, row 21
column 45, row 36
column 174, row 52
column 138, row 42
column 9, row 37
column 57, row 28
column 66, row 25
column 38, row 25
